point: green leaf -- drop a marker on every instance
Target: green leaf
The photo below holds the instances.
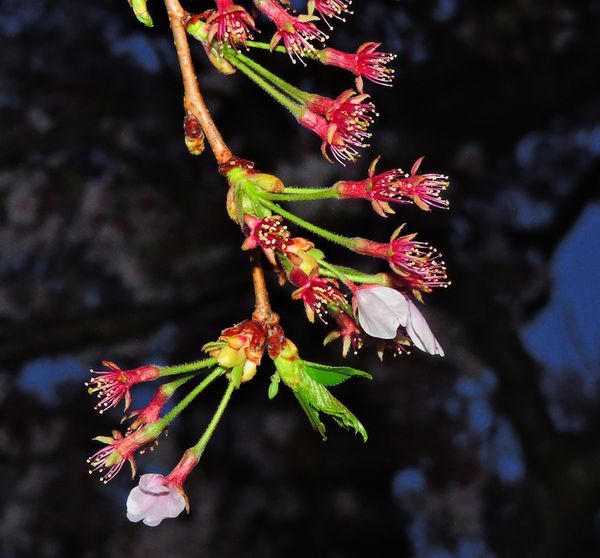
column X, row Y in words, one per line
column 274, row 386
column 315, row 398
column 312, row 414
column 141, row 12
column 331, row 375
column 236, row 374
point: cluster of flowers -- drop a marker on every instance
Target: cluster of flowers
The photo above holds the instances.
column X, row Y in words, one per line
column 379, row 306
column 236, row 355
column 363, row 306
column 342, row 123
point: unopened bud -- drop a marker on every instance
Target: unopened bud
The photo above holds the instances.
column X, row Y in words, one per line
column 194, row 136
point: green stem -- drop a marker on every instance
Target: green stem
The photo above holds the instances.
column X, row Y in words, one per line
column 170, row 387
column 352, row 274
column 294, row 92
column 302, row 194
column 198, row 448
column 332, row 237
column 266, row 46
column 163, row 422
column 284, row 100
column 329, row 270
column 333, row 189
column 187, row 367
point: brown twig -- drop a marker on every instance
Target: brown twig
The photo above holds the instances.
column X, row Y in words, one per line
column 193, row 101
column 262, row 312
column 195, row 105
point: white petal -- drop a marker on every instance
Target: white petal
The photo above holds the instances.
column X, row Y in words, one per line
column 153, row 521
column 420, row 334
column 176, row 504
column 381, row 310
column 138, row 503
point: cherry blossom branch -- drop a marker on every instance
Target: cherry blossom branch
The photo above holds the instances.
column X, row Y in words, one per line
column 262, row 312
column 193, row 101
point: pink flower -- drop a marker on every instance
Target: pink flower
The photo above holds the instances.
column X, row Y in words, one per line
column 231, row 23
column 341, row 123
column 419, row 332
column 395, row 186
column 157, row 497
column 154, row 499
column 366, row 62
column 295, row 32
column 110, row 386
column 381, row 310
column 330, row 9
column 419, row 266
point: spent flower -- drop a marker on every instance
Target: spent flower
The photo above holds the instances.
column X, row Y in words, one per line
column 268, row 233
column 329, row 9
column 342, row 123
column 396, row 186
column 230, row 23
column 296, row 32
column 319, row 294
column 367, row 62
column 110, row 386
column 418, row 265
column 109, row 460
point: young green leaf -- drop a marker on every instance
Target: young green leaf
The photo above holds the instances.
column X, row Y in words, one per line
column 315, row 398
column 141, row 12
column 274, row 386
column 331, row 375
column 312, row 414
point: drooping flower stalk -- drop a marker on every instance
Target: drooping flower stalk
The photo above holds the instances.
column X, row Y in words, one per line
column 109, row 460
column 418, row 265
column 157, row 497
column 396, row 186
column 113, row 385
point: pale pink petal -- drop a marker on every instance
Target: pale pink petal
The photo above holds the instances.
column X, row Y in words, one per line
column 138, row 503
column 420, row 334
column 381, row 310
column 175, row 504
column 154, row 500
column 153, row 483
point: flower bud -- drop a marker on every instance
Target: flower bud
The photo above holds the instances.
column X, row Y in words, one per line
column 288, row 364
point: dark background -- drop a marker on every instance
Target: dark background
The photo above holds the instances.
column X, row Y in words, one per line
column 115, row 245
